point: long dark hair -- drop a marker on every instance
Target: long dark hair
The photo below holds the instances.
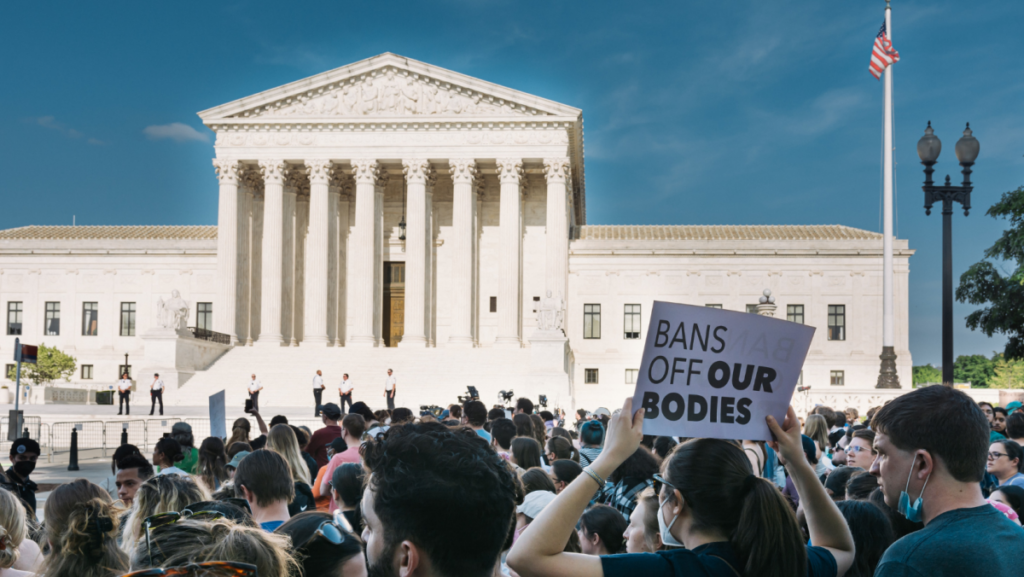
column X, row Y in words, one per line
column 526, row 452
column 524, row 426
column 872, row 535
column 537, row 480
column 563, row 449
column 608, row 523
column 715, row 479
column 640, row 465
column 318, row 557
column 212, row 462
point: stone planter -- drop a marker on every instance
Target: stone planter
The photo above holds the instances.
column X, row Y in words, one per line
column 6, row 397
column 1008, row 396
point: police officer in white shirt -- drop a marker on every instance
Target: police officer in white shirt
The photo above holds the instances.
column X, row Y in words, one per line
column 389, row 390
column 345, row 391
column 318, row 391
column 254, row 393
column 124, row 391
column 156, row 393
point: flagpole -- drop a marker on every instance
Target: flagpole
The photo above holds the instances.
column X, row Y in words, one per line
column 887, row 377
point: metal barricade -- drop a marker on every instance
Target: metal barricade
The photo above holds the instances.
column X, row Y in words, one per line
column 91, row 438
column 136, row 433
column 156, row 428
column 200, row 429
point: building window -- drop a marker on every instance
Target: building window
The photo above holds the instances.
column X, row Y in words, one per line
column 837, row 322
column 592, row 324
column 837, row 378
column 9, row 372
column 204, row 316
column 123, row 369
column 631, row 322
column 52, row 319
column 14, row 317
column 90, row 319
column 800, row 379
column 127, row 319
column 86, row 372
column 752, row 309
column 494, row 304
column 713, row 306
column 536, row 303
column 590, row 376
column 795, row 313
column 631, row 376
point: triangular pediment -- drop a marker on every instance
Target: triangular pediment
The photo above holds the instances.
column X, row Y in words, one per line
column 389, row 86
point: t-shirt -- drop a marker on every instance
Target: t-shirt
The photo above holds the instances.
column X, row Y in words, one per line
column 710, row 560
column 271, row 526
column 172, row 471
column 350, row 455
column 588, row 455
column 191, row 461
column 258, row 443
column 484, row 434
column 971, row 541
column 303, row 501
column 318, row 443
column 1014, row 481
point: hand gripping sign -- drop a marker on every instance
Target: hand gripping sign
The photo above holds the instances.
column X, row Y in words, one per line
column 717, row 374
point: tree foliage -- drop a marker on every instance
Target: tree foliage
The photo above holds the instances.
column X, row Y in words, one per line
column 984, row 284
column 975, row 369
column 1009, row 373
column 51, row 364
column 926, row 374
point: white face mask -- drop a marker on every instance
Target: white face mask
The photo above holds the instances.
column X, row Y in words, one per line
column 666, row 530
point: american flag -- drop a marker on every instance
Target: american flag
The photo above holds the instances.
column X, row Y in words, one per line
column 882, row 54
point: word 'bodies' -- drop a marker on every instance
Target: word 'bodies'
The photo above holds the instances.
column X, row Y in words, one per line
column 715, row 373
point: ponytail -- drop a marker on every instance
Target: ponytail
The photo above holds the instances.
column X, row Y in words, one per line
column 767, row 539
column 82, row 527
column 12, row 528
column 563, row 449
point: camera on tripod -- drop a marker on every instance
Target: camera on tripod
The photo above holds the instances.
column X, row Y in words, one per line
column 471, row 395
column 506, row 397
column 431, row 410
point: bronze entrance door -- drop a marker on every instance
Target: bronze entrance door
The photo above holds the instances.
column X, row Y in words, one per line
column 394, row 303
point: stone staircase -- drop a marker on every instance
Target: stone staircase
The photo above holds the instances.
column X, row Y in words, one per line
column 428, row 376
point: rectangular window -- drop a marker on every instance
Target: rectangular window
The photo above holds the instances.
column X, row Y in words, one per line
column 14, row 317
column 590, row 376
column 713, row 306
column 592, row 323
column 128, row 319
column 9, row 372
column 90, row 319
column 800, row 379
column 494, row 304
column 631, row 322
column 795, row 313
column 204, row 316
column 122, row 369
column 536, row 303
column 86, row 372
column 752, row 309
column 837, row 322
column 52, row 319
column 837, row 378
column 631, row 375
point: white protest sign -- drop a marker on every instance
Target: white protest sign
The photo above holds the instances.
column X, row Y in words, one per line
column 717, row 374
column 218, row 423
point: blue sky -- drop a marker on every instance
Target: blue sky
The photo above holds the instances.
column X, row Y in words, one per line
column 736, row 112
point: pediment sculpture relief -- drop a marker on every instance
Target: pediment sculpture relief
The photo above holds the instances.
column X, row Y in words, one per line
column 391, row 92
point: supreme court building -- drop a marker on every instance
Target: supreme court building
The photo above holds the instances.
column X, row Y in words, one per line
column 393, row 214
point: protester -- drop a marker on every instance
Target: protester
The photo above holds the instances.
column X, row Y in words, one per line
column 159, row 494
column 525, row 453
column 410, row 492
column 628, row 480
column 352, row 429
column 123, row 451
column 643, row 534
column 999, row 415
column 282, row 441
column 235, row 448
column 81, row 529
column 1012, row 496
column 330, row 415
column 901, row 526
column 708, row 488
column 167, row 455
column 495, row 414
column 563, row 472
column 19, row 556
column 239, row 432
column 476, row 416
column 835, row 484
column 182, row 432
column 536, row 479
column 561, row 448
column 1015, row 428
column 861, row 451
column 540, row 430
column 347, row 493
column 932, row 445
column 192, row 542
column 872, row 535
column 860, row 486
column 663, row 446
column 261, row 441
column 502, row 432
column 132, row 472
column 323, row 545
column 591, row 439
column 524, row 406
column 1004, row 461
column 302, row 436
column 524, row 425
column 601, row 530
column 211, row 467
column 816, row 428
column 24, row 453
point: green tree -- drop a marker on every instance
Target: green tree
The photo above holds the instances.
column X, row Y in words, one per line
column 927, row 374
column 51, row 364
column 984, row 284
column 1009, row 373
column 975, row 369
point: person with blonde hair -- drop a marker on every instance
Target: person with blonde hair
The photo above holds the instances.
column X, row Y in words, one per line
column 193, row 541
column 161, row 494
column 19, row 556
column 282, row 440
column 81, row 527
column 816, row 428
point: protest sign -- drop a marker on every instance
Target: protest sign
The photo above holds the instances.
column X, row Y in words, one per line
column 717, row 374
column 218, row 422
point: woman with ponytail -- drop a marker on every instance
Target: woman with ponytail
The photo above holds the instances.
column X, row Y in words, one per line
column 81, row 527
column 19, row 555
column 561, row 448
column 731, row 523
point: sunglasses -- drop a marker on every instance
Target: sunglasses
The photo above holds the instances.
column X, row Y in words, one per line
column 208, row 569
column 333, row 531
column 659, row 481
column 172, row 517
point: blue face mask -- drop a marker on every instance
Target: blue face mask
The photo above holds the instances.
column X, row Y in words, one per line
column 911, row 512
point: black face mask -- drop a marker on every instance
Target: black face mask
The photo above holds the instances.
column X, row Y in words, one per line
column 24, row 468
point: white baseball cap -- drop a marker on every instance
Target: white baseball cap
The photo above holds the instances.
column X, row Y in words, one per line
column 535, row 502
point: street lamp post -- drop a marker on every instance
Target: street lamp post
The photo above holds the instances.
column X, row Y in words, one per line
column 928, row 148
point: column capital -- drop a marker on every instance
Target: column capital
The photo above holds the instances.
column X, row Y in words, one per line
column 510, row 170
column 273, row 171
column 228, row 170
column 419, row 171
column 366, row 170
column 319, row 170
column 463, row 170
column 556, row 169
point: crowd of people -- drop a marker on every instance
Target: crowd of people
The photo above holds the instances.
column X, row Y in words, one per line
column 928, row 484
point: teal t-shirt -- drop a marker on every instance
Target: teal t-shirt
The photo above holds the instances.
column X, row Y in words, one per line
column 974, row 541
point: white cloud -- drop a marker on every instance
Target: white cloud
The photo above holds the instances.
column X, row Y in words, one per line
column 175, row 131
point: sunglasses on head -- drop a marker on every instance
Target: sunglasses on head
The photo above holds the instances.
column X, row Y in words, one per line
column 172, row 517
column 334, row 531
column 208, row 569
column 659, row 481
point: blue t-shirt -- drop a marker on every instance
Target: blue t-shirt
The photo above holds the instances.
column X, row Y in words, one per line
column 1014, row 481
column 484, row 434
column 711, row 560
column 271, row 526
column 977, row 540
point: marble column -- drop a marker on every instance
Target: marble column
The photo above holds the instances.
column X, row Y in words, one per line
column 288, row 262
column 464, row 174
column 299, row 282
column 557, row 238
column 332, row 262
column 317, row 252
column 272, row 267
column 227, row 248
column 510, row 174
column 419, row 178
column 346, row 191
column 363, row 254
column 378, row 256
